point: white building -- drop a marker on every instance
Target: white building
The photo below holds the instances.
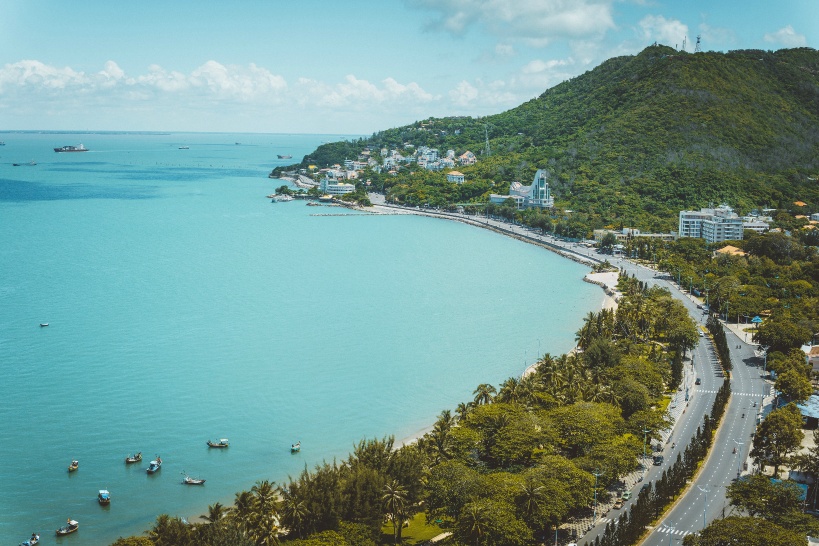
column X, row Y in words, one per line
column 456, row 177
column 713, row 225
column 332, row 186
column 536, row 195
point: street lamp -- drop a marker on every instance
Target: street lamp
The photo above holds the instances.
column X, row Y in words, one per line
column 739, row 455
column 596, row 474
column 671, row 528
column 645, row 436
column 704, row 490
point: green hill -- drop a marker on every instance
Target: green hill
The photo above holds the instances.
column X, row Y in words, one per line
column 638, row 138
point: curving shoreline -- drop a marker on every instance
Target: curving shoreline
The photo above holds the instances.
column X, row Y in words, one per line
column 607, row 280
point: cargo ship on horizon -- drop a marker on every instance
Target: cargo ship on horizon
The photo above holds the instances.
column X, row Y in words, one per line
column 79, row 148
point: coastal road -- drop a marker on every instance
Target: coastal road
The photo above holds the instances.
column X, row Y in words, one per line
column 705, row 498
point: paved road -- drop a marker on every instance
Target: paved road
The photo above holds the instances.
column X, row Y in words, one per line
column 723, row 465
column 705, row 500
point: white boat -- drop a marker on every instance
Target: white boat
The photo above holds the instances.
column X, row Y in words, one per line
column 295, row 448
column 104, row 497
column 154, row 466
column 187, row 480
column 276, row 198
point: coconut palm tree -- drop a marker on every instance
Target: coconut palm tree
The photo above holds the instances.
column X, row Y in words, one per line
column 215, row 512
column 242, row 512
column 294, row 512
column 463, row 410
column 473, row 522
column 484, row 393
column 394, row 498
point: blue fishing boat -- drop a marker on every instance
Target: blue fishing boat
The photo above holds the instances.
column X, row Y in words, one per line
column 154, row 465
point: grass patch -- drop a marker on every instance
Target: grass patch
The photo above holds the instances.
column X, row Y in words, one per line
column 417, row 532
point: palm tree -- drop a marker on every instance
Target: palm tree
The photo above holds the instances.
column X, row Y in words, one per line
column 242, row 512
column 215, row 512
column 473, row 522
column 484, row 393
column 395, row 499
column 294, row 512
column 532, row 496
column 510, row 390
column 463, row 410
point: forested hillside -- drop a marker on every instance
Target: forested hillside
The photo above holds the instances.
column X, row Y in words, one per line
column 636, row 139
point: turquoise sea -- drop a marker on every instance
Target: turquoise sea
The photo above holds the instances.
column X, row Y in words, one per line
column 184, row 306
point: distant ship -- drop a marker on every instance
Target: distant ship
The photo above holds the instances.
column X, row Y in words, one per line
column 79, row 148
column 284, row 156
column 184, row 148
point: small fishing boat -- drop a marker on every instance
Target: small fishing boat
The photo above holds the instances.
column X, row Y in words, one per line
column 187, row 480
column 35, row 539
column 184, row 148
column 104, row 497
column 43, row 324
column 135, row 458
column 284, row 156
column 223, row 442
column 295, row 448
column 31, row 163
column 69, row 528
column 154, row 465
column 75, row 464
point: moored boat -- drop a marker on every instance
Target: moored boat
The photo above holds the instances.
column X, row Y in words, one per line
column 135, row 458
column 280, row 198
column 284, row 156
column 79, row 148
column 69, row 528
column 75, row 464
column 35, row 539
column 154, row 465
column 223, row 442
column 294, row 448
column 104, row 497
column 187, row 480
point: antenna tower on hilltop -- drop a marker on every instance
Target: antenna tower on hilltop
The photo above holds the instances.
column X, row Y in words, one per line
column 487, row 151
column 697, row 48
column 685, row 39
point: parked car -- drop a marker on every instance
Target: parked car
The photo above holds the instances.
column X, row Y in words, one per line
column 698, row 381
column 618, row 504
column 626, row 495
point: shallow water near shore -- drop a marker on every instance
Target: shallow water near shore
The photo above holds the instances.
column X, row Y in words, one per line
column 184, row 306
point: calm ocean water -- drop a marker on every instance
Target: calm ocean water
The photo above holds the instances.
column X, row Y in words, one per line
column 184, row 306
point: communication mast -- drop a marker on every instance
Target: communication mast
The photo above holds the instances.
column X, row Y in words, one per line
column 487, row 151
column 697, row 48
column 685, row 39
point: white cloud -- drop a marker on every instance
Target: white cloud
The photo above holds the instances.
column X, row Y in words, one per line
column 669, row 32
column 31, row 74
column 464, row 94
column 536, row 22
column 787, row 37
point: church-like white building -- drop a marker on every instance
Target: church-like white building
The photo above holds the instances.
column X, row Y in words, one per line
column 536, row 195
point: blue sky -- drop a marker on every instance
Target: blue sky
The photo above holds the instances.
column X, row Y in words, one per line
column 341, row 67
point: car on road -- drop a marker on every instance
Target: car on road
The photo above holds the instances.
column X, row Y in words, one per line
column 618, row 504
column 658, row 460
column 701, row 334
column 698, row 381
